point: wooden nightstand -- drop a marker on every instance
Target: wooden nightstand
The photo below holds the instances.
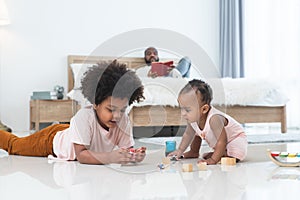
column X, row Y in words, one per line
column 43, row 111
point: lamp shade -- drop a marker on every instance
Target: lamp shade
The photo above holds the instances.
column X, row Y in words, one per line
column 4, row 19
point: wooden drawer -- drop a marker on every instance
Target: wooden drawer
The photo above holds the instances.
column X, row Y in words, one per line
column 42, row 111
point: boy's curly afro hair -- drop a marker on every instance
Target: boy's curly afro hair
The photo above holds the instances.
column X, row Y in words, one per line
column 111, row 79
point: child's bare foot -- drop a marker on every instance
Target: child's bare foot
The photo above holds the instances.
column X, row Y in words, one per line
column 191, row 154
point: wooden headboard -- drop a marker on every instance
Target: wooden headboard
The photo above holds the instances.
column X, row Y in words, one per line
column 131, row 62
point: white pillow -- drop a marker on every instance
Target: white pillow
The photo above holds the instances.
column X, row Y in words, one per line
column 78, row 72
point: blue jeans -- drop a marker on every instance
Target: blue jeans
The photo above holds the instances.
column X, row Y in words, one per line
column 184, row 66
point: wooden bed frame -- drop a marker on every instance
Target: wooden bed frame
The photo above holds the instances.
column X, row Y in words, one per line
column 151, row 115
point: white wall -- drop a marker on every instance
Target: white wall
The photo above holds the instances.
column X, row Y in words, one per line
column 34, row 47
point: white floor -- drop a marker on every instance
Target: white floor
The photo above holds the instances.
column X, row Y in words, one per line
column 255, row 178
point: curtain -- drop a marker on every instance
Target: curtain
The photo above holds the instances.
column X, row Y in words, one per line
column 231, row 38
column 272, row 48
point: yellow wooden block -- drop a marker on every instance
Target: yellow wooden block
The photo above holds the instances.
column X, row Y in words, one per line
column 166, row 160
column 228, row 161
column 202, row 166
column 187, row 167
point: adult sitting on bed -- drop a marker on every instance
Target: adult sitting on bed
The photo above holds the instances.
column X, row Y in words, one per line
column 151, row 55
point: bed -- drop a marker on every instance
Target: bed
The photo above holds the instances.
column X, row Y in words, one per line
column 160, row 107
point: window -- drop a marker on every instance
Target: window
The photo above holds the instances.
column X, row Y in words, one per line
column 272, row 47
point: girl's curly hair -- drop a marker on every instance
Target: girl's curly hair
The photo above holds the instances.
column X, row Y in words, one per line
column 111, row 79
column 200, row 86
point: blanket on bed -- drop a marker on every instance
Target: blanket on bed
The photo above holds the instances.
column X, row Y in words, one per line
column 226, row 91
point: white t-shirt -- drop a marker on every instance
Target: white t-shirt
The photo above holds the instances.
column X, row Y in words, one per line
column 85, row 130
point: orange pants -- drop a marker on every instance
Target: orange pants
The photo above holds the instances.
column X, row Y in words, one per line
column 38, row 144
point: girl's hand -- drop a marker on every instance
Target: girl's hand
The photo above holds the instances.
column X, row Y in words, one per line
column 121, row 156
column 191, row 154
column 209, row 161
column 177, row 154
column 207, row 155
column 140, row 154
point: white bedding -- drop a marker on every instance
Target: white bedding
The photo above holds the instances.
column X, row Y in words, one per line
column 226, row 91
column 161, row 91
column 244, row 91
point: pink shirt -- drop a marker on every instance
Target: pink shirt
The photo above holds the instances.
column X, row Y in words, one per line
column 236, row 138
column 85, row 130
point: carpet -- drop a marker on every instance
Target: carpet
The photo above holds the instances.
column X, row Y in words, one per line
column 252, row 139
column 274, row 138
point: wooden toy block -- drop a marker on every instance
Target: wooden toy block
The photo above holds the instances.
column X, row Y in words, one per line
column 228, row 161
column 166, row 160
column 202, row 166
column 187, row 167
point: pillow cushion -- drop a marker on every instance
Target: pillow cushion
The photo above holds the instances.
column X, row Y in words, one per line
column 78, row 71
